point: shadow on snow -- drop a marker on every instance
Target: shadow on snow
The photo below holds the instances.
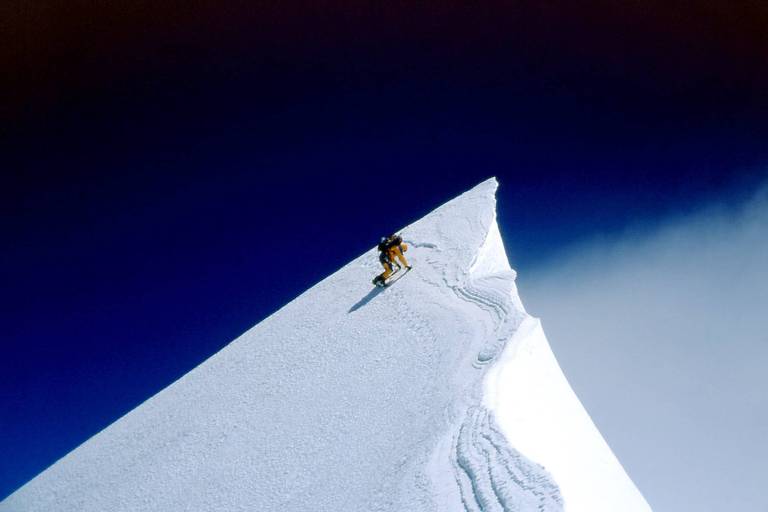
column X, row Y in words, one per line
column 368, row 298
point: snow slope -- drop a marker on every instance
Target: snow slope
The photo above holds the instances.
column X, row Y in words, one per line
column 438, row 393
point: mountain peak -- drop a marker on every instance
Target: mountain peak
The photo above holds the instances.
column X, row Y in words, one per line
column 353, row 397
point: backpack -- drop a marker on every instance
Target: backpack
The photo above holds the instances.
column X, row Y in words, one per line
column 395, row 241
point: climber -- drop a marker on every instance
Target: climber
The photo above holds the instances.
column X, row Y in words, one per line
column 391, row 249
column 395, row 251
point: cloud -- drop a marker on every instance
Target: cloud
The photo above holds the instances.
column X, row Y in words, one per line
column 663, row 333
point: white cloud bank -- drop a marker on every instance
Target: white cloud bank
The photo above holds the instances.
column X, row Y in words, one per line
column 664, row 337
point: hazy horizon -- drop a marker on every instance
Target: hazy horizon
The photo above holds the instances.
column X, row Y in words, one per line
column 662, row 333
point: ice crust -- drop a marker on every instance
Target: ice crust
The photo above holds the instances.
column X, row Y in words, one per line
column 439, row 393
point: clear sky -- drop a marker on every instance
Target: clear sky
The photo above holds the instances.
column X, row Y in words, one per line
column 173, row 174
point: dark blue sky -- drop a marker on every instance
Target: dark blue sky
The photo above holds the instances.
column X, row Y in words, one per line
column 172, row 175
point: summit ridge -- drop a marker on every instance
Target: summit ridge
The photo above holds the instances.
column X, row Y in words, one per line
column 427, row 395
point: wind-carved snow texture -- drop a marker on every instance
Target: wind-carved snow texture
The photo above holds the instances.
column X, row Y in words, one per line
column 493, row 476
column 351, row 397
column 490, row 294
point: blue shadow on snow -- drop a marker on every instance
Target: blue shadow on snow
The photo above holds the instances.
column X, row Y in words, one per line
column 368, row 298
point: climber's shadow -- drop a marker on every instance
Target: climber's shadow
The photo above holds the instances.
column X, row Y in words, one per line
column 368, row 298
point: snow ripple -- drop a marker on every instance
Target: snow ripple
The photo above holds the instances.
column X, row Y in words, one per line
column 492, row 476
column 493, row 293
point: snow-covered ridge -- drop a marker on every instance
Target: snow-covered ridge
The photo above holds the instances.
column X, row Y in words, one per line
column 434, row 394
